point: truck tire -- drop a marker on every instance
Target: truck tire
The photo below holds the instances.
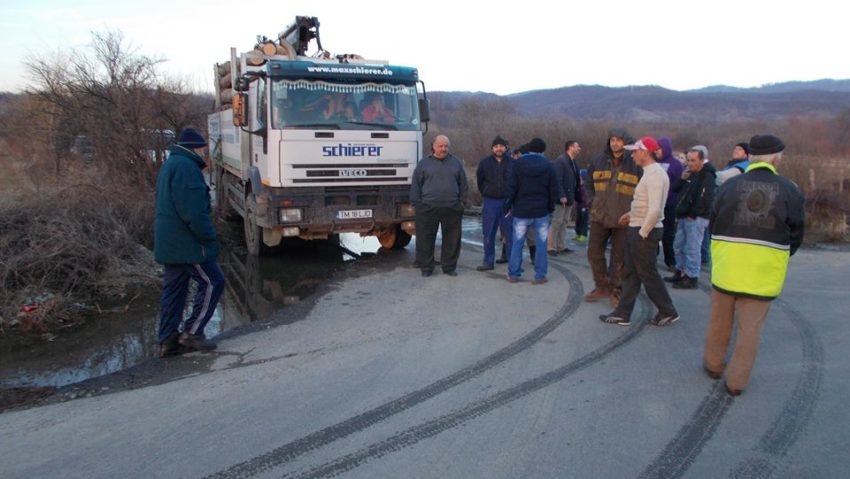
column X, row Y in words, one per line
column 393, row 237
column 253, row 232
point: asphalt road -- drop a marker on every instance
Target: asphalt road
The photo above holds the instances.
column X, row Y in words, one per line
column 393, row 375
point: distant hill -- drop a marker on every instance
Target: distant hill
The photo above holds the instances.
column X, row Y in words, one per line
column 653, row 103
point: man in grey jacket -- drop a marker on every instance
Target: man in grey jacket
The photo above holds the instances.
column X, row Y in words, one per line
column 437, row 191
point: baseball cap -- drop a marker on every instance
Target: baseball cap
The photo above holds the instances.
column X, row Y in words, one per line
column 647, row 143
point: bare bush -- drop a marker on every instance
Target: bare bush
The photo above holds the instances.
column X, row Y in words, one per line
column 80, row 243
column 111, row 103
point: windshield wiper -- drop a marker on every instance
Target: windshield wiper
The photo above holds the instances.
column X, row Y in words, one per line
column 382, row 126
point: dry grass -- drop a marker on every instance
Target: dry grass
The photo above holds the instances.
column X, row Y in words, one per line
column 77, row 243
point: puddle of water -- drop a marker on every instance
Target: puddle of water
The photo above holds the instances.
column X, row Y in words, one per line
column 255, row 290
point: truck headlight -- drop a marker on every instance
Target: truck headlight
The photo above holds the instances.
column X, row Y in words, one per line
column 289, row 215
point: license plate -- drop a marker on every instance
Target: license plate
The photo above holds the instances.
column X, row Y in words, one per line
column 353, row 214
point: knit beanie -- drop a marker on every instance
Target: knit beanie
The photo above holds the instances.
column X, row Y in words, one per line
column 191, row 138
column 499, row 141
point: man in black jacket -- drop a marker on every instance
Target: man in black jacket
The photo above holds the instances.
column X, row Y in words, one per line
column 567, row 175
column 492, row 176
column 696, row 192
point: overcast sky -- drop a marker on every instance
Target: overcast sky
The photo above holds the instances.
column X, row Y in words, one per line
column 499, row 47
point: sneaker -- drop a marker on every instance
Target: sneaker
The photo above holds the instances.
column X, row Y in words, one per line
column 540, row 281
column 580, row 239
column 596, row 295
column 450, row 273
column 552, row 252
column 171, row 347
column 484, row 267
column 686, row 283
column 613, row 319
column 677, row 276
column 566, row 251
column 426, row 273
column 662, row 321
column 196, row 342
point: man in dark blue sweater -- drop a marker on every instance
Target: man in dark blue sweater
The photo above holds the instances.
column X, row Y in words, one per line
column 532, row 194
column 492, row 177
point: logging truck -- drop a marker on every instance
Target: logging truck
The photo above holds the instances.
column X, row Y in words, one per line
column 314, row 145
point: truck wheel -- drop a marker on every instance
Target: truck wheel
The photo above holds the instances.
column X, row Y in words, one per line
column 393, row 237
column 253, row 232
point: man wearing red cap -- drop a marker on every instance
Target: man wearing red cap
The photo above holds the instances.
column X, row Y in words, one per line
column 644, row 232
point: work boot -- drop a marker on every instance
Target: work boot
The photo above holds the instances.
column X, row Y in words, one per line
column 597, row 294
column 504, row 258
column 171, row 347
column 484, row 267
column 677, row 276
column 196, row 342
column 686, row 283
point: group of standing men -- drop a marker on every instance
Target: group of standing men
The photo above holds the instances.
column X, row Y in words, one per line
column 755, row 220
column 641, row 198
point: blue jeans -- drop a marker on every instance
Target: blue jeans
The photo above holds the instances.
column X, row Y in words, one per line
column 540, row 228
column 493, row 219
column 688, row 242
column 706, row 247
column 175, row 288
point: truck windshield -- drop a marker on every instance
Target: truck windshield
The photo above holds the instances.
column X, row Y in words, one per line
column 344, row 106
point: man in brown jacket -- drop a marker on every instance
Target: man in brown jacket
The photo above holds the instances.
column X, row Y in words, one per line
column 613, row 177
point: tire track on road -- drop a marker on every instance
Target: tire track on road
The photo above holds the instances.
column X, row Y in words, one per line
column 431, row 428
column 330, row 434
column 768, row 456
column 679, row 454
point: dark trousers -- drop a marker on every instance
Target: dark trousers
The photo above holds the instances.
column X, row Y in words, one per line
column 581, row 221
column 669, row 235
column 606, row 276
column 493, row 219
column 448, row 220
column 640, row 267
column 175, row 289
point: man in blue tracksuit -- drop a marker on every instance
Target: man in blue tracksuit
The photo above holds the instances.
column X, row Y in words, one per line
column 492, row 177
column 532, row 193
column 185, row 242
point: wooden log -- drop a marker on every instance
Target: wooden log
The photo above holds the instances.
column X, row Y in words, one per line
column 226, row 96
column 225, row 81
column 223, row 68
column 256, row 61
column 269, row 48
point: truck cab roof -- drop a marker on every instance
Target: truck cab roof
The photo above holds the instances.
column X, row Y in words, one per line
column 304, row 69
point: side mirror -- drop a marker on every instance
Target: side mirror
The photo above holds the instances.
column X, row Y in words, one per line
column 424, row 110
column 240, row 109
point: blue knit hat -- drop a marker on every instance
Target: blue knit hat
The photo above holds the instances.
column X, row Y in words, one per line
column 191, row 138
